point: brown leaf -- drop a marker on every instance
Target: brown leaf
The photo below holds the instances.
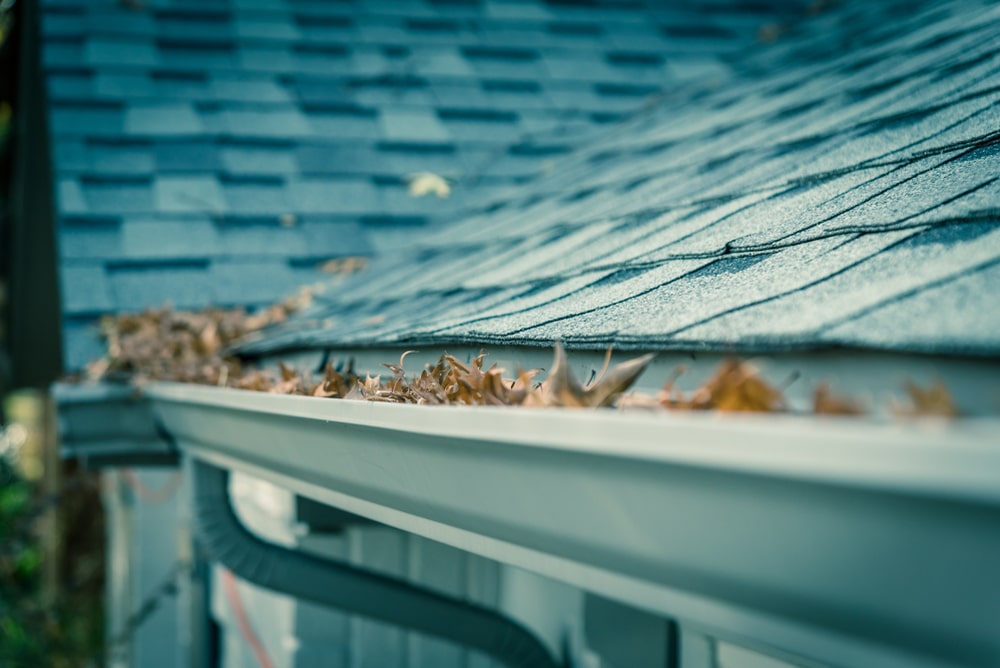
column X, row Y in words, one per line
column 735, row 387
column 561, row 388
column 935, row 400
column 827, row 403
column 287, row 372
column 343, row 266
column 669, row 396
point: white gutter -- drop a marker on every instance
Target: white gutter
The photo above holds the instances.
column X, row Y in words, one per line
column 845, row 541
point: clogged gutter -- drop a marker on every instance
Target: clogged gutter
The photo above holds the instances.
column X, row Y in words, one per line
column 189, row 346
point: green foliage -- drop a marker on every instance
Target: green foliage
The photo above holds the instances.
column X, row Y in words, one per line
column 66, row 632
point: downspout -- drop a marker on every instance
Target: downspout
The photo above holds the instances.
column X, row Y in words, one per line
column 351, row 589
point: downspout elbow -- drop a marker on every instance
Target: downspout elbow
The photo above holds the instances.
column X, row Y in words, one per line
column 351, row 589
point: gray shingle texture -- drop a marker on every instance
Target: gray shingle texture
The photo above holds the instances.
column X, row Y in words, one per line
column 187, row 132
column 841, row 188
column 831, row 188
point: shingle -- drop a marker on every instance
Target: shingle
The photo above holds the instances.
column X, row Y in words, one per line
column 580, row 66
column 516, row 100
column 118, row 194
column 70, row 197
column 71, row 154
column 184, row 155
column 203, row 22
column 113, row 21
column 395, row 201
column 70, row 86
column 267, row 59
column 323, row 59
column 457, row 8
column 62, row 52
column 257, row 158
column 502, row 9
column 375, row 96
column 341, row 197
column 172, row 119
column 419, row 125
column 260, row 238
column 920, row 315
column 270, row 27
column 62, row 25
column 342, row 125
column 182, row 283
column 441, row 62
column 188, row 194
column 85, row 288
column 318, row 159
column 457, row 94
column 181, row 85
column 883, row 276
column 117, row 51
column 227, row 88
column 276, row 123
column 520, row 308
column 256, row 196
column 119, row 157
column 124, row 85
column 150, row 237
column 187, row 53
column 924, row 192
column 252, row 281
column 369, row 62
column 405, row 159
column 90, row 238
column 482, row 128
column 321, row 93
column 335, row 239
column 707, row 67
column 91, row 119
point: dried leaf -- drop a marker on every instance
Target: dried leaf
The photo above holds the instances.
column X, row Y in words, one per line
column 827, row 403
column 287, row 373
column 935, row 400
column 561, row 388
column 669, row 396
column 185, row 346
column 735, row 387
column 427, row 183
column 343, row 266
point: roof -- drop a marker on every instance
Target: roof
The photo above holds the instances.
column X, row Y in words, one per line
column 215, row 153
column 841, row 189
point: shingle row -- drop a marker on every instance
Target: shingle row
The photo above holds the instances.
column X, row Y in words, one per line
column 813, row 203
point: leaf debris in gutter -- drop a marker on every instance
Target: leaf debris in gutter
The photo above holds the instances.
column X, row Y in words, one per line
column 187, row 346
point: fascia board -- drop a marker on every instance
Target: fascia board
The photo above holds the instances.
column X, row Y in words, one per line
column 846, row 541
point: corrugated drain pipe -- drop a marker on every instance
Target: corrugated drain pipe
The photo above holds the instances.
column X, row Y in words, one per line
column 351, row 589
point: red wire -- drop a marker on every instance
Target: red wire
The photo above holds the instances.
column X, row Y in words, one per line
column 233, row 596
column 151, row 496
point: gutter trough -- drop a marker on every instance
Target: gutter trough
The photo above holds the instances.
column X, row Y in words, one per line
column 845, row 541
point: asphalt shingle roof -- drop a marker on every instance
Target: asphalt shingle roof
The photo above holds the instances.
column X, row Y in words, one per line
column 184, row 133
column 841, row 189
